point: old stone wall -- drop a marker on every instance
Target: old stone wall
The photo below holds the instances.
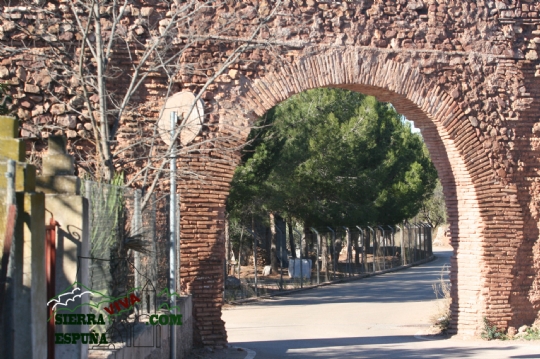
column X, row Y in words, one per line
column 466, row 72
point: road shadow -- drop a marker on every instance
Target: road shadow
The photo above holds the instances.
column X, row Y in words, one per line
column 379, row 347
column 411, row 285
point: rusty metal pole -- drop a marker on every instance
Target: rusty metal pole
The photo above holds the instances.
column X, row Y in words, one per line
column 301, row 265
column 364, row 255
column 374, row 241
column 9, row 245
column 318, row 251
column 9, row 271
column 384, row 246
column 280, row 258
column 430, row 239
column 254, row 260
column 416, row 241
column 402, row 254
column 50, row 273
column 334, row 252
column 349, row 250
column 409, row 241
column 393, row 246
column 255, row 263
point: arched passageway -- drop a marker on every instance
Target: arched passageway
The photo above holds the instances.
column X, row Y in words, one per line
column 488, row 273
column 445, row 131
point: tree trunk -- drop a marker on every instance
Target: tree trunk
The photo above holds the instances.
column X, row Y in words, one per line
column 291, row 240
column 336, row 250
column 324, row 257
column 107, row 168
column 240, row 251
column 273, row 244
column 304, row 246
column 267, row 244
column 254, row 252
column 356, row 249
column 367, row 241
column 227, row 244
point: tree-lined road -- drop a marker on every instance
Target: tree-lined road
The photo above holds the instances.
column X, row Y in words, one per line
column 377, row 317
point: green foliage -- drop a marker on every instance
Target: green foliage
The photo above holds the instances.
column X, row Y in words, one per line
column 107, row 201
column 433, row 210
column 490, row 331
column 241, row 240
column 531, row 333
column 333, row 157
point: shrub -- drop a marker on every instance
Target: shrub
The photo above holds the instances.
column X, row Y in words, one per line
column 491, row 331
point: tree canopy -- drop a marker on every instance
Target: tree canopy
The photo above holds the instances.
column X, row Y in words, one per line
column 333, row 157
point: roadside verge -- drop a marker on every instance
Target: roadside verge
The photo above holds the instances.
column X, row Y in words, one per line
column 341, row 280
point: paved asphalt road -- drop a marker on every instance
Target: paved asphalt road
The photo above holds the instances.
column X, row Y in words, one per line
column 378, row 317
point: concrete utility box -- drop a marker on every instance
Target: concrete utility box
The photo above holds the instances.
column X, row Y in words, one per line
column 294, row 268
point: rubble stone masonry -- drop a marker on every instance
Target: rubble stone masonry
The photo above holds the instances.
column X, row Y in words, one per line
column 466, row 72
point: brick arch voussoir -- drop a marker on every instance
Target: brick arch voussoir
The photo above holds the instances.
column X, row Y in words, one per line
column 376, row 74
column 415, row 94
column 379, row 74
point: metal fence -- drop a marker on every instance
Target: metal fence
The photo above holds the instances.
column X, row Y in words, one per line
column 129, row 253
column 328, row 254
column 345, row 252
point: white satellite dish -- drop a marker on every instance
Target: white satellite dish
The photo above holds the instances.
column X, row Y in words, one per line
column 190, row 114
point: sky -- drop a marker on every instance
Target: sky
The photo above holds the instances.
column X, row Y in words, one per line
column 414, row 129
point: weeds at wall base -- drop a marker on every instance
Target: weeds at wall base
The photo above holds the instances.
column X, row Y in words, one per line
column 441, row 318
column 531, row 333
column 491, row 331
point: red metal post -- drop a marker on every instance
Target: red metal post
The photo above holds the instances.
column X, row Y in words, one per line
column 8, row 238
column 50, row 270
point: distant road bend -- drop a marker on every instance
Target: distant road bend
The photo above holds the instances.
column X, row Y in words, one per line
column 377, row 317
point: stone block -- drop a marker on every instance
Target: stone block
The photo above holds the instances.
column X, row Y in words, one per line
column 71, row 134
column 57, row 145
column 4, row 72
column 58, row 184
column 58, row 164
column 147, row 11
column 12, row 149
column 68, row 121
column 58, row 109
column 31, row 88
column 9, row 127
column 25, row 176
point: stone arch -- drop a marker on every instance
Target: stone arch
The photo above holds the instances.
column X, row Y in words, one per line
column 467, row 72
column 470, row 189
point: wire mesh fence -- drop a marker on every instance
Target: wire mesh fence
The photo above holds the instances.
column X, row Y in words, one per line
column 129, row 254
column 324, row 254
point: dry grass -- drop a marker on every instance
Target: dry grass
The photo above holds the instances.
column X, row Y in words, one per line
column 441, row 318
